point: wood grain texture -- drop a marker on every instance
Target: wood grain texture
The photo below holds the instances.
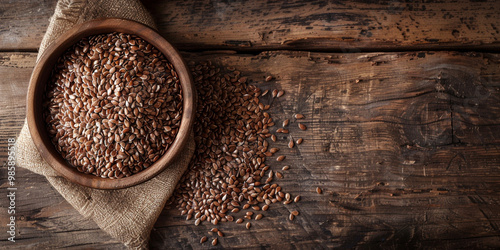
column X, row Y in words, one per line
column 405, row 147
column 23, row 23
column 347, row 26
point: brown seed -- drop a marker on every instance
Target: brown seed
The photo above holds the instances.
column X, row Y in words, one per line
column 214, row 230
column 280, row 93
column 290, row 144
column 281, row 158
column 214, row 242
column 273, row 138
column 248, row 225
column 297, row 198
column 203, row 239
column 239, row 221
column 299, row 141
column 269, row 78
column 274, row 150
column 279, row 175
column 285, row 122
column 258, row 217
column 220, row 233
column 295, row 213
column 302, row 126
column 318, row 190
column 265, row 207
column 285, row 167
column 265, row 92
column 299, row 116
column 274, row 93
column 291, row 217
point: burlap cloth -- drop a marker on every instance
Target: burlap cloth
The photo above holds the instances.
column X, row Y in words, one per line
column 126, row 214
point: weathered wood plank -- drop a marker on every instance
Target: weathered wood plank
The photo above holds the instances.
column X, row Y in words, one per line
column 308, row 25
column 404, row 145
column 402, row 155
column 15, row 69
column 23, row 23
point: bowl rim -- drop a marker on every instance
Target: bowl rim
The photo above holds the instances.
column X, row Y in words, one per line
column 39, row 79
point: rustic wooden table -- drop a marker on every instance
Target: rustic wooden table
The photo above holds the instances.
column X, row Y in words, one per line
column 402, row 102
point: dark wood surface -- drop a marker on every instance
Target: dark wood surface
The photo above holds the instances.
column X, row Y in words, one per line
column 405, row 144
column 345, row 26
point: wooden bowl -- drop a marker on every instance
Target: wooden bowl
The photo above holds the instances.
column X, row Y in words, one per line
column 40, row 78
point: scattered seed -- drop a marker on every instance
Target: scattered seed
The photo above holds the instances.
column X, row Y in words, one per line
column 269, row 78
column 285, row 122
column 291, row 217
column 285, row 167
column 274, row 93
column 290, row 144
column 214, row 242
column 214, row 230
column 295, row 213
column 258, row 217
column 299, row 116
column 318, row 190
column 265, row 92
column 228, row 172
column 302, row 126
column 220, row 233
column 281, row 158
column 280, row 93
column 248, row 225
column 299, row 141
column 297, row 198
column 203, row 239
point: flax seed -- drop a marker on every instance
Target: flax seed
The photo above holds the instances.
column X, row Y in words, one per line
column 203, row 239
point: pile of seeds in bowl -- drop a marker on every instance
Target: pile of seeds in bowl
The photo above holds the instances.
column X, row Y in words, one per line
column 113, row 105
column 229, row 173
